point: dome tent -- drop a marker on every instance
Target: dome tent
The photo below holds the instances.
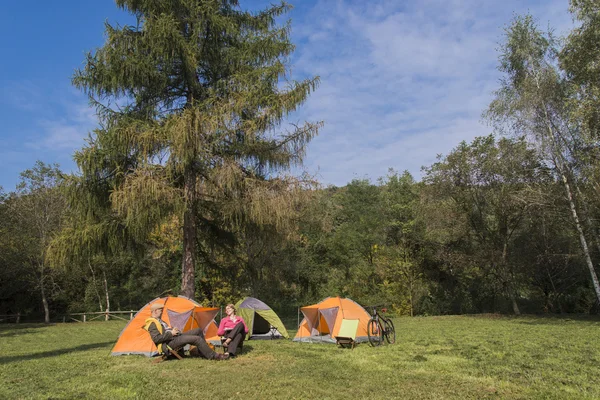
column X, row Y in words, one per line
column 179, row 312
column 322, row 321
column 262, row 321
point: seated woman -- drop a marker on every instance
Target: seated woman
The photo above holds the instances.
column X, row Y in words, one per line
column 233, row 329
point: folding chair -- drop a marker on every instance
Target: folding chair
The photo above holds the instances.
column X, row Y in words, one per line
column 346, row 337
column 164, row 356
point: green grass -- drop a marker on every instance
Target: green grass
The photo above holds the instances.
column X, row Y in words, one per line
column 456, row 357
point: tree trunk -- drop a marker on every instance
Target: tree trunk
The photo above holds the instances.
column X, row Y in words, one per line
column 556, row 294
column 515, row 306
column 188, row 287
column 582, row 239
column 412, row 311
column 559, row 163
column 95, row 286
column 511, row 286
column 586, row 215
column 106, row 293
column 44, row 299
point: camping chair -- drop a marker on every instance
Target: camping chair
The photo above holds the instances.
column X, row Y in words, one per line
column 170, row 351
column 165, row 355
column 346, row 337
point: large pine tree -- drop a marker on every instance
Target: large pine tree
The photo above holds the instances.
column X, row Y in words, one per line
column 191, row 101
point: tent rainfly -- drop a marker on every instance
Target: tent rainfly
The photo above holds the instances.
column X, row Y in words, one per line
column 322, row 321
column 180, row 312
column 262, row 321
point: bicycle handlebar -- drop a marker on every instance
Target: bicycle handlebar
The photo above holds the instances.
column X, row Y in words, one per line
column 374, row 308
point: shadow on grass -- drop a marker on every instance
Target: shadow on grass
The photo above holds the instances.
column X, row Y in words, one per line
column 14, row 329
column 558, row 320
column 245, row 349
column 54, row 353
column 542, row 319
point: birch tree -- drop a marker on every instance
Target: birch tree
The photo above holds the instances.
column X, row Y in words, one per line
column 536, row 99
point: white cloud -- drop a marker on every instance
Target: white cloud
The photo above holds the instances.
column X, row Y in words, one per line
column 68, row 132
column 22, row 95
column 49, row 125
column 401, row 82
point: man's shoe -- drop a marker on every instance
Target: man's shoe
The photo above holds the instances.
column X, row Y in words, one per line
column 221, row 357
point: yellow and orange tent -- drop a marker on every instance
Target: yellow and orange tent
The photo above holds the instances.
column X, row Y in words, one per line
column 322, row 321
column 180, row 312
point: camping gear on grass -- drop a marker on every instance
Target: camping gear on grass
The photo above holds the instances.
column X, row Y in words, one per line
column 179, row 312
column 262, row 321
column 347, row 334
column 322, row 321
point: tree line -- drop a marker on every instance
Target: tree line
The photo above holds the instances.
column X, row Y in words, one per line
column 184, row 188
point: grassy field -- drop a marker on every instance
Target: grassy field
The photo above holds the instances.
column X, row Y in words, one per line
column 457, row 357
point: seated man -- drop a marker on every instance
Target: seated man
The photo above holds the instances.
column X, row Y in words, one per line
column 163, row 335
column 233, row 329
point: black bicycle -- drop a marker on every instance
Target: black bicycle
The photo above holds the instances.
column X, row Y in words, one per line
column 380, row 327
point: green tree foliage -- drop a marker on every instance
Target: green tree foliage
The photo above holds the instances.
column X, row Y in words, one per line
column 362, row 241
column 537, row 100
column 488, row 184
column 358, row 229
column 400, row 258
column 198, row 90
column 32, row 217
column 548, row 255
column 15, row 274
column 579, row 58
column 307, row 265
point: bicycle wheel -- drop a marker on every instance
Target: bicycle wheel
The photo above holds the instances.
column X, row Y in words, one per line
column 375, row 333
column 390, row 331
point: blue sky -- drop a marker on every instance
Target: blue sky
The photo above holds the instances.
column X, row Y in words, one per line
column 401, row 81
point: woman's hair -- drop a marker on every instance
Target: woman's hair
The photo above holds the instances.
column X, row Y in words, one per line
column 231, row 306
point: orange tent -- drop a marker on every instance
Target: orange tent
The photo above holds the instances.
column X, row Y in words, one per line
column 322, row 321
column 180, row 312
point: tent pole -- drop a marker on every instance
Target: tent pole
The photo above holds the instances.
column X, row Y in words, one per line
column 298, row 319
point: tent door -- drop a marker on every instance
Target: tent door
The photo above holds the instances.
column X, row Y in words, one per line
column 328, row 316
column 260, row 325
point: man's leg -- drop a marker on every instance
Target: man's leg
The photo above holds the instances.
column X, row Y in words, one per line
column 237, row 336
column 195, row 338
column 196, row 332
